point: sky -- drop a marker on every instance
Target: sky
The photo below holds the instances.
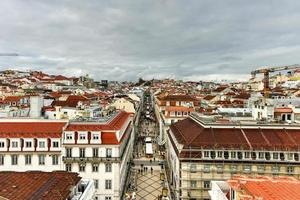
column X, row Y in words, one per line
column 127, row 39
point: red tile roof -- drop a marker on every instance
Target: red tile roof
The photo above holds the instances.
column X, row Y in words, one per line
column 266, row 188
column 31, row 129
column 61, row 78
column 193, row 135
column 177, row 98
column 37, row 185
column 115, row 124
column 283, row 110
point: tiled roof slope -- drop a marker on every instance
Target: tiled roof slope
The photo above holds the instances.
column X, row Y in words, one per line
column 115, row 124
column 266, row 188
column 31, row 129
column 37, row 185
column 193, row 135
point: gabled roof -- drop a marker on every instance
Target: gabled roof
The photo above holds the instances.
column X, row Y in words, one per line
column 209, row 97
column 60, row 78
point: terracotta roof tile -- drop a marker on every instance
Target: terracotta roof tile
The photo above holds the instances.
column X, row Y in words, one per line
column 37, row 185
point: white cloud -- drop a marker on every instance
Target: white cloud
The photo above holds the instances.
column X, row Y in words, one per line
column 124, row 40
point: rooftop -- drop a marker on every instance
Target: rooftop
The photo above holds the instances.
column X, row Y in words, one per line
column 37, row 185
column 192, row 133
column 266, row 188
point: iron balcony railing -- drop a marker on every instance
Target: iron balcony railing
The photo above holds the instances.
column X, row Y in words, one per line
column 91, row 159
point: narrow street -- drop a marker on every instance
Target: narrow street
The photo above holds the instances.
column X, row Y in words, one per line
column 147, row 175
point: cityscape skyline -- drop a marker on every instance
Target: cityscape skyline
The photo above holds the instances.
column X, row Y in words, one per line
column 125, row 40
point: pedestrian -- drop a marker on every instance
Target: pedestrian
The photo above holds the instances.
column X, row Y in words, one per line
column 154, row 159
column 151, row 170
column 146, row 169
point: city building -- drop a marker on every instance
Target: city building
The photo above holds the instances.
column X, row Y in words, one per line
column 99, row 149
column 200, row 150
column 171, row 108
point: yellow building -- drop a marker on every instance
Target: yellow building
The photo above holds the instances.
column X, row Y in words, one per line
column 199, row 152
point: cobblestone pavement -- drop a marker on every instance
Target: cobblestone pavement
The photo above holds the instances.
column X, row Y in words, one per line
column 149, row 186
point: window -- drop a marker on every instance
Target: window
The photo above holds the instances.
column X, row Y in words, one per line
column 220, row 154
column 233, row 154
column 108, row 184
column 96, row 183
column 206, row 154
column 233, row 169
column 82, row 136
column 290, row 169
column 107, row 198
column 220, row 169
column 1, row 159
column 81, row 152
column 41, row 144
column 193, row 168
column 275, row 170
column 68, row 152
column 260, row 169
column 54, row 159
column 55, row 144
column 69, row 136
column 193, row 184
column 206, row 168
column 107, row 167
column 95, row 168
column 28, row 144
column 108, row 152
column 69, row 167
column 42, row 159
column 247, row 155
column 2, row 144
column 95, row 152
column 275, row 156
column 14, row 144
column 81, row 167
column 247, row 168
column 261, row 155
column 206, row 184
column 95, row 136
column 28, row 159
column 14, row 159
column 290, row 156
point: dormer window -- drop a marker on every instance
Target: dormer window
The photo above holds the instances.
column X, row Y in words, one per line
column 247, row 155
column 14, row 144
column 2, row 144
column 41, row 144
column 233, row 154
column 69, row 136
column 28, row 144
column 55, row 144
column 220, row 154
column 261, row 155
column 95, row 136
column 206, row 154
column 82, row 136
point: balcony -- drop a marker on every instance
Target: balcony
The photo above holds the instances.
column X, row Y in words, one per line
column 90, row 159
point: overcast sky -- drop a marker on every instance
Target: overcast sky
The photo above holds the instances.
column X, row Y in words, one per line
column 127, row 39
